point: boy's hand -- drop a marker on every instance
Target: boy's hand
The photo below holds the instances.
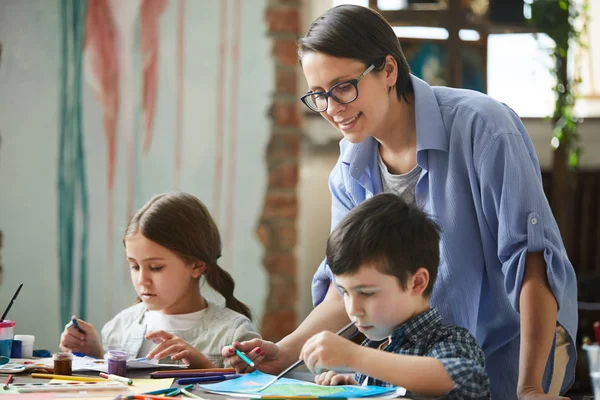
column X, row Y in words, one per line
column 327, row 350
column 177, row 348
column 87, row 342
column 332, row 378
column 267, row 356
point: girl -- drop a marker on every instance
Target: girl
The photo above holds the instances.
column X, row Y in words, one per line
column 170, row 243
column 467, row 160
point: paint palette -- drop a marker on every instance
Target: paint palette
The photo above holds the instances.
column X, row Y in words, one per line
column 116, row 387
column 12, row 368
column 17, row 367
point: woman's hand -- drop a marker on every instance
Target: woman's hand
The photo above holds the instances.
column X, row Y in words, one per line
column 267, row 356
column 332, row 378
column 87, row 342
column 177, row 349
column 536, row 393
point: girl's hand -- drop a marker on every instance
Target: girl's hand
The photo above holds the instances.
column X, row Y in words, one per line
column 326, row 350
column 177, row 348
column 267, row 356
column 332, row 378
column 87, row 342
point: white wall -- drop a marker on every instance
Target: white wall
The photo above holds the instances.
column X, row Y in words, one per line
column 29, row 124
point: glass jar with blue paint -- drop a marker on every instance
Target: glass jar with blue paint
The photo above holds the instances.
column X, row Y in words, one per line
column 117, row 362
column 6, row 337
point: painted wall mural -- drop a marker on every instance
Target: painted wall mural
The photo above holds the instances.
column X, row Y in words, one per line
column 114, row 41
column 116, row 31
column 73, row 217
column 124, row 100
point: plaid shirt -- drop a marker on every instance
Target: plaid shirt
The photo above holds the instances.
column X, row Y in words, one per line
column 426, row 335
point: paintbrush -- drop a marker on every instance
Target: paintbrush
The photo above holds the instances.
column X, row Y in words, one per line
column 299, row 362
column 11, row 302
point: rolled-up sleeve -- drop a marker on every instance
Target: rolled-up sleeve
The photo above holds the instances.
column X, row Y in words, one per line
column 465, row 363
column 341, row 204
column 518, row 214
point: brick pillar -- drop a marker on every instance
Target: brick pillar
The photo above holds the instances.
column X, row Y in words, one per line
column 277, row 226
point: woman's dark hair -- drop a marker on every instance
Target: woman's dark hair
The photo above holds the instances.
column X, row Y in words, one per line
column 181, row 223
column 384, row 230
column 361, row 34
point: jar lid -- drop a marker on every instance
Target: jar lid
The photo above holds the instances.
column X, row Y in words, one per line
column 7, row 324
column 117, row 355
column 25, row 338
column 62, row 356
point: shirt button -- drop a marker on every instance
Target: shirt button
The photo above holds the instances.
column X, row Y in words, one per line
column 533, row 221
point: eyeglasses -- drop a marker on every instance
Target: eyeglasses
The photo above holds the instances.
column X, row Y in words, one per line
column 344, row 92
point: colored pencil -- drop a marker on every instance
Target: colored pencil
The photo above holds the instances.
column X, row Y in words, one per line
column 76, row 325
column 206, row 379
column 8, row 380
column 148, row 397
column 177, row 392
column 117, row 378
column 188, row 374
column 168, row 371
column 243, row 357
column 67, row 378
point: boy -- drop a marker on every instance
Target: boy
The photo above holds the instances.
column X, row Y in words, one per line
column 384, row 256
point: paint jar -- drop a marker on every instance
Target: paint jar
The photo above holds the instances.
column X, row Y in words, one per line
column 62, row 363
column 16, row 350
column 593, row 355
column 26, row 345
column 117, row 362
column 6, row 337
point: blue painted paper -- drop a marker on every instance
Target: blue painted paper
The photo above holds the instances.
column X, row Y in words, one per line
column 250, row 383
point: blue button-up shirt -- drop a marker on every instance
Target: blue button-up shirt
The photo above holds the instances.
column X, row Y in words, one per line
column 426, row 335
column 481, row 182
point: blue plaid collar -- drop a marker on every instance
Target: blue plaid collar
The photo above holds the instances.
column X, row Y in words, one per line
column 414, row 330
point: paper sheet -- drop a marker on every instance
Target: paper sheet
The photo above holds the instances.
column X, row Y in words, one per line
column 250, row 383
column 139, row 386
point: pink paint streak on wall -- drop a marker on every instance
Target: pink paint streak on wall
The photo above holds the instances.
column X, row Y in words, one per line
column 150, row 30
column 100, row 46
column 179, row 106
column 124, row 15
column 102, row 72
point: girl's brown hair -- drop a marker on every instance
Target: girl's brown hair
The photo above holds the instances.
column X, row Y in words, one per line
column 181, row 223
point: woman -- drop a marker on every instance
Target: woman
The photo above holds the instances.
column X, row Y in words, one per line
column 467, row 160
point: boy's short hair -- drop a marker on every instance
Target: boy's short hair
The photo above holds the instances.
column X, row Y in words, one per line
column 398, row 238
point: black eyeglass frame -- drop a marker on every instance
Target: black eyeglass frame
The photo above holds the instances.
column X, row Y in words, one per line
column 329, row 93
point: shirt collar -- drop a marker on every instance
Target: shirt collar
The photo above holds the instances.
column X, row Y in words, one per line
column 431, row 133
column 415, row 329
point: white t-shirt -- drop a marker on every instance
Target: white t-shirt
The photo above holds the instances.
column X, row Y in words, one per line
column 208, row 331
column 157, row 321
